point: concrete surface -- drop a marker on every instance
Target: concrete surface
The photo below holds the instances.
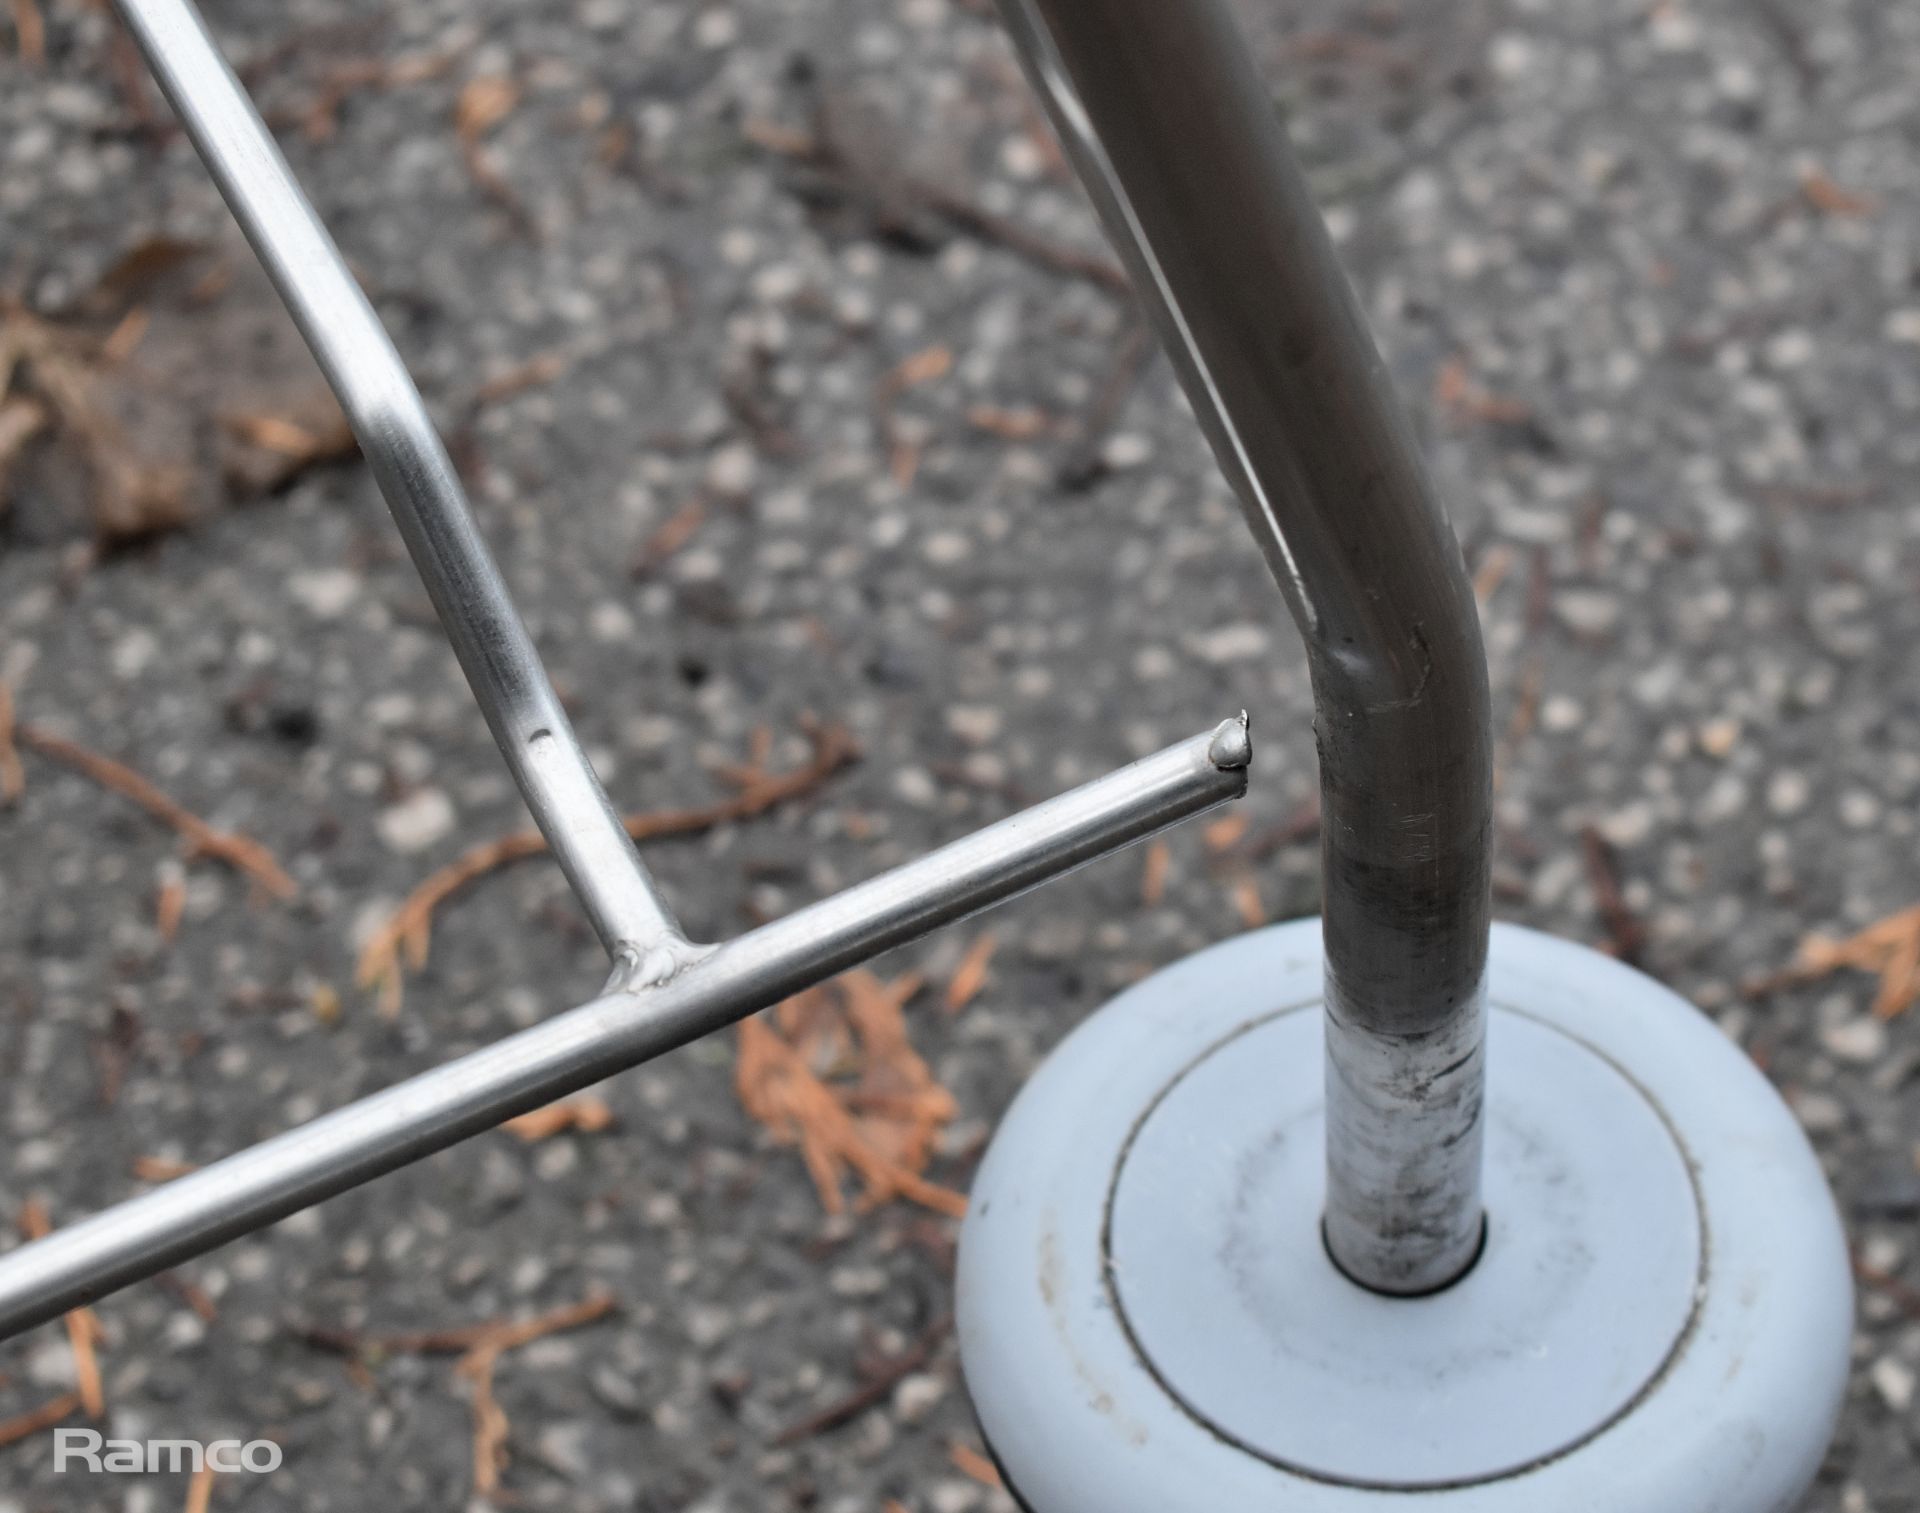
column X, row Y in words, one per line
column 1650, row 275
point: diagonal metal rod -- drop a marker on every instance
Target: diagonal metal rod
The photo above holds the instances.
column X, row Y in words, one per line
column 418, row 480
column 1187, row 161
column 429, row 1112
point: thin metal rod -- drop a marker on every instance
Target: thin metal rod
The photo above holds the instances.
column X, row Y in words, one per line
column 1185, row 156
column 419, row 482
column 622, row 1029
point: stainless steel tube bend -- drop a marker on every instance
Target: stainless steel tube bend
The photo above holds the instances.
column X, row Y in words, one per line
column 1179, row 144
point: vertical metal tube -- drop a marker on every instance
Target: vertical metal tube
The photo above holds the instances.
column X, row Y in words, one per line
column 1186, row 159
column 418, row 480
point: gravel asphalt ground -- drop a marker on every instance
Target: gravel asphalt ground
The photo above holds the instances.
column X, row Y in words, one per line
column 1649, row 274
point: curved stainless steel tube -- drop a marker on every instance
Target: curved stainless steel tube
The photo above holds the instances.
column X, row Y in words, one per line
column 1186, row 159
column 429, row 1112
column 418, row 480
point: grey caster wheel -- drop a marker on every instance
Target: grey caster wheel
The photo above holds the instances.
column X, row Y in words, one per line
column 1150, row 1323
column 1389, row 1211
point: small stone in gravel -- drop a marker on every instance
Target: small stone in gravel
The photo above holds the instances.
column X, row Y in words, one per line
column 976, row 724
column 324, row 592
column 1819, row 1113
column 565, row 1448
column 1231, row 643
column 1787, row 792
column 1588, row 612
column 618, row 1392
column 1127, row 450
column 422, row 819
column 917, row 1396
column 1861, row 1039
column 1894, row 1382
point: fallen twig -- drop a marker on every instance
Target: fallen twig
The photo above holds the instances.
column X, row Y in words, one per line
column 1244, row 889
column 880, row 1381
column 1081, row 465
column 191, row 1293
column 30, row 32
column 200, row 1489
column 479, row 1347
column 483, row 104
column 1457, row 394
column 319, row 118
column 1626, row 934
column 895, row 201
column 30, row 1423
column 1830, row 198
column 903, row 455
column 169, row 907
column 13, row 777
column 971, row 975
column 970, row 1462
column 1303, row 824
column 1024, row 424
column 409, row 930
column 240, row 852
column 678, row 529
column 585, row 1113
column 161, row 1168
column 1904, row 1296
column 531, row 374
column 83, row 1325
column 1153, row 874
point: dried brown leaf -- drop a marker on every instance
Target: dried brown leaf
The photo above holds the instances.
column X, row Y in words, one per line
column 138, row 269
column 872, row 1113
column 1889, row 948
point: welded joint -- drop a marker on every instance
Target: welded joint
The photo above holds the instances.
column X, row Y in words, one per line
column 637, row 968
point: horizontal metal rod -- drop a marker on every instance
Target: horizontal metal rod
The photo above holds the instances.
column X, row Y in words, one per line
column 429, row 1112
column 418, row 480
column 1176, row 137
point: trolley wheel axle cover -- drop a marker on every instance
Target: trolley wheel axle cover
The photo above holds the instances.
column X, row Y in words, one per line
column 1149, row 1319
